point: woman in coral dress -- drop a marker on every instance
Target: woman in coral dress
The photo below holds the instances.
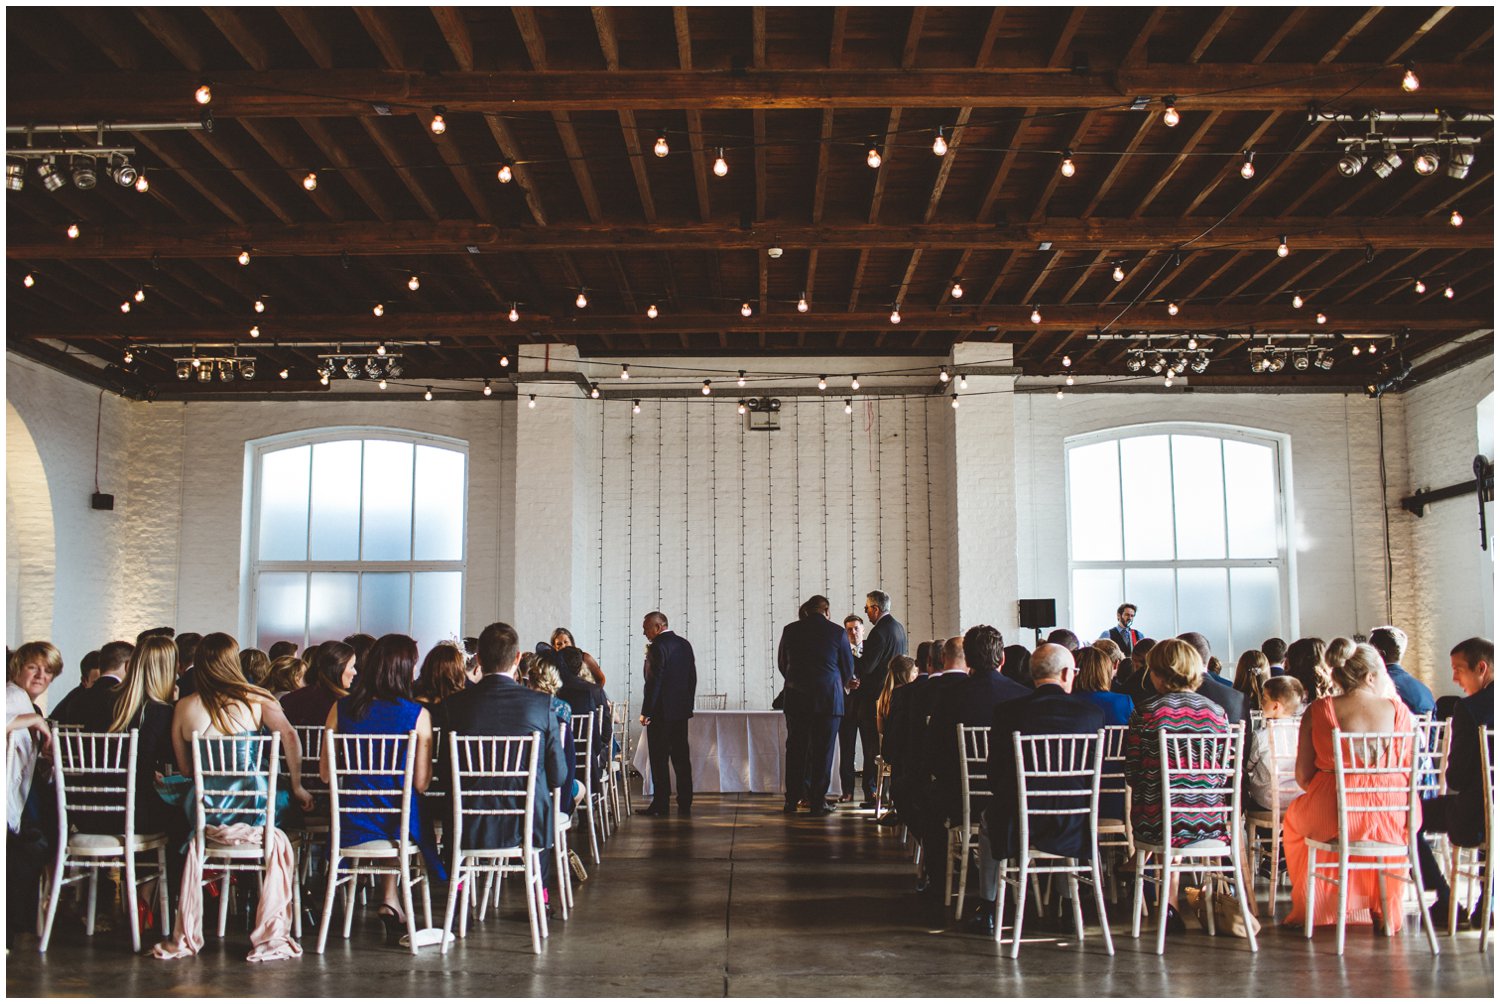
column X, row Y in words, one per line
column 1368, row 704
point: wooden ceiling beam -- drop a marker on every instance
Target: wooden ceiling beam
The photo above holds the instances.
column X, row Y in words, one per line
column 1421, row 33
column 682, row 30
column 1189, row 145
column 536, row 51
column 291, row 93
column 104, row 240
column 609, row 45
column 1360, row 24
column 1229, row 170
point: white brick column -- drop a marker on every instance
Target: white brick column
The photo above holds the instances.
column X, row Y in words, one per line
column 984, row 489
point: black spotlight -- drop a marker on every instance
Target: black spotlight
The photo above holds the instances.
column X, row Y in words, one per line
column 52, row 178
column 84, row 174
column 122, row 171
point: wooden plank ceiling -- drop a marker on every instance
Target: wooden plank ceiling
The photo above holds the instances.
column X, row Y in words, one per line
column 572, row 100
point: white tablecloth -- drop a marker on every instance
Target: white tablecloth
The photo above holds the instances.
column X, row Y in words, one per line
column 733, row 751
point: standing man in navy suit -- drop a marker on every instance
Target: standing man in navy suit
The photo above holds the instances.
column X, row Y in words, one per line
column 887, row 639
column 817, row 661
column 671, row 682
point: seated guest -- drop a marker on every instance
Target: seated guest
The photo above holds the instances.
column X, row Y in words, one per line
column 332, row 676
column 915, row 798
column 1250, row 675
column 286, row 674
column 1221, row 693
column 380, row 703
column 1281, row 697
column 361, row 644
column 585, row 698
column 28, row 842
column 1017, row 665
column 1050, row 709
column 88, row 672
column 1115, row 653
column 1304, row 660
column 443, row 675
column 563, row 638
column 499, row 706
column 94, row 709
column 1131, row 679
column 1092, row 686
column 187, row 649
column 901, row 739
column 144, row 703
column 536, row 673
column 1215, row 670
column 1274, row 649
column 1390, row 642
column 254, row 665
column 902, row 670
column 281, row 649
column 471, row 658
column 1460, row 812
column 1062, row 636
column 1176, row 671
column 165, row 632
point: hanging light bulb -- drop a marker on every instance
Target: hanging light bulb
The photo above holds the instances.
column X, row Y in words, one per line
column 197, row 363
column 1168, row 380
column 848, row 406
column 1069, row 380
column 72, row 231
column 487, row 391
column 255, row 331
column 29, row 281
column 955, row 400
column 873, row 157
column 141, row 184
column 1448, row 292
column 708, row 387
column 594, row 391
column 1068, row 169
column 382, row 384
column 896, row 314
column 1421, row 286
column 438, row 125
column 427, row 396
column 651, row 311
column 957, row 292
column 504, row 361
column 414, row 283
column 140, row 295
column 624, row 371
column 1354, row 351
column 323, row 378
column 1192, row 343
column 1322, row 317
column 802, row 304
column 505, row 174
column 939, row 144
column 260, row 306
column 581, row 300
column 1067, row 361
column 204, row 94
column 943, row 375
column 1036, row 315
column 1119, row 273
column 286, row 373
column 243, row 257
column 380, row 349
column 745, row 310
column 741, row 380
column 854, row 384
column 1281, row 249
column 635, row 407
column 310, row 181
column 660, row 148
column 742, row 409
column 1409, row 81
column 514, row 315
column 721, row 166
column 1169, row 115
column 1247, row 169
column 822, row 383
column 531, row 401
column 1456, row 219
column 124, row 306
column 1297, row 300
column 378, row 310
column 1172, row 308
column 963, row 382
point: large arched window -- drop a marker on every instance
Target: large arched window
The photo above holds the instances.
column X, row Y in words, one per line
column 1188, row 523
column 357, row 530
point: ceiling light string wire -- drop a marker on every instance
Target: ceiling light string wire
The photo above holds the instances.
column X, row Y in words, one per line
column 851, row 468
column 602, row 459
column 743, row 604
column 630, row 564
column 687, row 519
column 797, row 493
column 713, row 494
column 927, row 472
column 906, row 500
column 769, row 624
column 823, row 486
column 661, row 477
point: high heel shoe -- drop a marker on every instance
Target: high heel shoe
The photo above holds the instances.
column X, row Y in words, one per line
column 392, row 921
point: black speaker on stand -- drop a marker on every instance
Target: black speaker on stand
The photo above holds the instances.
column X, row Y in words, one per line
column 1038, row 614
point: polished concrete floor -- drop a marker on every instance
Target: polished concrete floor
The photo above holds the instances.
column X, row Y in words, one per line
column 741, row 900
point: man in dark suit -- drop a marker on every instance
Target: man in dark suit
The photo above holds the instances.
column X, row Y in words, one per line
column 1460, row 813
column 94, row 708
column 187, row 654
column 671, row 682
column 921, row 810
column 887, row 639
column 585, row 697
column 1236, row 708
column 1124, row 634
column 817, row 661
column 904, row 725
column 1050, row 709
column 499, row 706
column 88, row 672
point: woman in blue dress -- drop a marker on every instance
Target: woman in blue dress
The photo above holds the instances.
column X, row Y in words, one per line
column 381, row 703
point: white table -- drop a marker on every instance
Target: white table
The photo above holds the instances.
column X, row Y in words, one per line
column 733, row 751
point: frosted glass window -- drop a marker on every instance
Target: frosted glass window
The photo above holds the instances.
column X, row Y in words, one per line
column 1250, row 494
column 335, row 501
column 438, row 505
column 1146, row 481
column 1154, row 593
column 281, row 608
column 435, row 603
column 1094, row 490
column 283, row 505
column 1198, row 489
column 1203, row 606
column 1256, row 603
column 332, row 605
column 1096, row 596
column 387, row 501
column 385, row 603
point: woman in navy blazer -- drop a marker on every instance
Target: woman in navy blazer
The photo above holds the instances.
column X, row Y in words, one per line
column 1094, row 677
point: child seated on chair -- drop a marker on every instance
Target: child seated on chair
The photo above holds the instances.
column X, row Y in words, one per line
column 1281, row 697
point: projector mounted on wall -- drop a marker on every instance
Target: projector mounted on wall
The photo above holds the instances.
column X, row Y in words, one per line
column 762, row 414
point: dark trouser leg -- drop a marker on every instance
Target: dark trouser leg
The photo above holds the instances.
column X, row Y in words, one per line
column 1434, row 820
column 681, row 764
column 659, row 742
column 869, row 739
column 796, row 757
column 848, row 730
column 821, row 731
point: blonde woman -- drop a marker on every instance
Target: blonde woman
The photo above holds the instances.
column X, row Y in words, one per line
column 145, row 704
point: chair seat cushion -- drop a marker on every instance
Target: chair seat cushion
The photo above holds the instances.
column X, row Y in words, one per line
column 1362, row 848
column 376, row 849
column 108, row 843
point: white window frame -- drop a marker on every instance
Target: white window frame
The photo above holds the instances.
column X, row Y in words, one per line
column 255, row 452
column 1285, row 560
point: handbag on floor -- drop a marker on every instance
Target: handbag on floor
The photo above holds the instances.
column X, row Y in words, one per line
column 1218, row 895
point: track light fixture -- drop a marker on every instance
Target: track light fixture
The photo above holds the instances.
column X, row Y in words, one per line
column 122, row 171
column 52, row 178
column 1426, row 160
column 83, row 173
column 1352, row 161
column 1460, row 159
column 1385, row 163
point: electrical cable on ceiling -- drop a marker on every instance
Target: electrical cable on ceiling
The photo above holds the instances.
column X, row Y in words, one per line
column 769, row 630
column 823, row 485
column 687, row 538
column 797, row 495
column 602, row 452
column 927, row 476
column 630, row 566
column 98, row 433
column 713, row 492
column 661, row 476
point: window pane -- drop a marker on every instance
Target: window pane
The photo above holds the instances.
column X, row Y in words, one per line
column 435, row 606
column 332, row 605
column 1203, row 606
column 439, row 505
column 1147, row 478
column 280, row 608
column 1154, row 593
column 385, row 603
column 1250, row 491
column 387, row 502
column 1256, row 596
column 283, row 505
column 1198, row 483
column 1096, row 594
column 335, row 502
column 1094, row 501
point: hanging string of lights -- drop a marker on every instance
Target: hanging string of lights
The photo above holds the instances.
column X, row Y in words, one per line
column 928, row 561
column 768, row 628
column 713, row 492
